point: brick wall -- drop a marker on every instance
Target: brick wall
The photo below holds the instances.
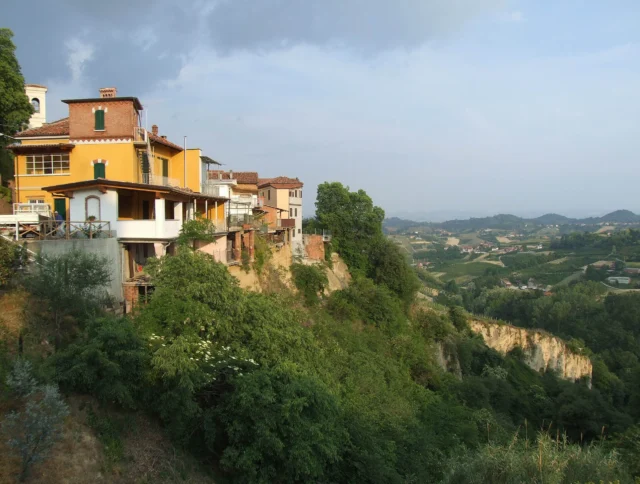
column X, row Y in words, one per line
column 313, row 247
column 119, row 119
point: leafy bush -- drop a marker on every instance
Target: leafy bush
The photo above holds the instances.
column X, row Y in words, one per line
column 262, row 253
column 108, row 361
column 372, row 304
column 310, row 280
column 281, row 425
column 33, row 430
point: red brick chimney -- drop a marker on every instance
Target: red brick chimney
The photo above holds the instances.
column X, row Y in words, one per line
column 154, row 129
column 108, row 92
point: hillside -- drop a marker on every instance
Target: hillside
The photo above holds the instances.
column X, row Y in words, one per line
column 290, row 377
column 513, row 222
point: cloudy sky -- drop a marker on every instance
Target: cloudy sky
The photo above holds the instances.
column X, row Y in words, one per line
column 434, row 107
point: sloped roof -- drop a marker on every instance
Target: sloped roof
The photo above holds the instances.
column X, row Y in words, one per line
column 242, row 177
column 280, row 182
column 159, row 139
column 55, row 128
column 51, row 147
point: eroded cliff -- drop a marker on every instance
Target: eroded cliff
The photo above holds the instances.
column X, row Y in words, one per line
column 541, row 350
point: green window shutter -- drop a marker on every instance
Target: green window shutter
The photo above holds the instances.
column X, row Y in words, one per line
column 99, row 170
column 165, row 167
column 99, row 119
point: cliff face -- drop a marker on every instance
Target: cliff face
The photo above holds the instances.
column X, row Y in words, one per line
column 542, row 351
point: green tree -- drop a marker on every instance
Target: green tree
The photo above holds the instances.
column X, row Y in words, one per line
column 389, row 267
column 15, row 109
column 310, row 280
column 67, row 289
column 353, row 220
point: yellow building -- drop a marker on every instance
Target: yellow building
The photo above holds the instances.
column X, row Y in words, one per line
column 101, row 138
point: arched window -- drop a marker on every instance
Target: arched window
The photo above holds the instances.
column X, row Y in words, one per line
column 92, row 207
column 35, row 102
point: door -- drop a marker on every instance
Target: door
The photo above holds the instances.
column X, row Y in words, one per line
column 60, row 206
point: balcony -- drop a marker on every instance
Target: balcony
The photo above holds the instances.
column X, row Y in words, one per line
column 215, row 190
column 148, row 229
column 163, row 181
column 239, row 221
column 285, row 223
column 139, row 136
column 32, row 208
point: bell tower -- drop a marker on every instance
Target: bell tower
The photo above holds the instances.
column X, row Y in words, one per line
column 37, row 95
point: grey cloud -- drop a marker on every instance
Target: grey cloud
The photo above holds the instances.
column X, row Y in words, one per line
column 115, row 30
column 366, row 25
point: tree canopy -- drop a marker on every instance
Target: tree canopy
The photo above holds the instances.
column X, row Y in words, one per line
column 15, row 109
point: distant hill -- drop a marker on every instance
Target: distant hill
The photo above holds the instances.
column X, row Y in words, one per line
column 513, row 222
column 552, row 219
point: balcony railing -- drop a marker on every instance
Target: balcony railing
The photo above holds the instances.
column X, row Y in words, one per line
column 97, row 229
column 240, row 220
column 220, row 191
column 40, row 208
column 163, row 181
column 139, row 135
column 286, row 223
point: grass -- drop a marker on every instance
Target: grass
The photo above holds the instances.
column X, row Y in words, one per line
column 473, row 269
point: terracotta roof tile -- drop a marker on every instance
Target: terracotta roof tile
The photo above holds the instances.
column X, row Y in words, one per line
column 56, row 128
column 159, row 139
column 280, row 182
column 242, row 177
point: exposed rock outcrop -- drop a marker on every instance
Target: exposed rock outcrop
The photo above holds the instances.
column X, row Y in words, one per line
column 542, row 351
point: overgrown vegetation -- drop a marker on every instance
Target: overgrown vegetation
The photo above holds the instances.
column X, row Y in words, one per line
column 310, row 280
column 363, row 385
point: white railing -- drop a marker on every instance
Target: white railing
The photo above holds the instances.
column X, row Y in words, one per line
column 40, row 208
column 148, row 229
column 139, row 134
column 220, row 191
column 163, row 181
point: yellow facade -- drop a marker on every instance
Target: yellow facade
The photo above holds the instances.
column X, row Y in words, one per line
column 121, row 163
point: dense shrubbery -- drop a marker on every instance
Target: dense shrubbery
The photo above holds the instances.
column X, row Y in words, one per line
column 347, row 389
column 310, row 280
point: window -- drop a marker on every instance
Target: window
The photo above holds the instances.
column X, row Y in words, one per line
column 35, row 102
column 296, row 210
column 36, row 200
column 295, row 193
column 290, row 212
column 99, row 115
column 293, row 234
column 269, row 194
column 48, row 164
column 299, row 230
column 300, row 193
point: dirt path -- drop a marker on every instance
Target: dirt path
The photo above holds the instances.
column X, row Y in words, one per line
column 452, row 241
column 483, row 258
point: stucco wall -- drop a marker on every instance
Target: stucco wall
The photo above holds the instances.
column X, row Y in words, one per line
column 109, row 248
column 108, row 206
column 217, row 248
